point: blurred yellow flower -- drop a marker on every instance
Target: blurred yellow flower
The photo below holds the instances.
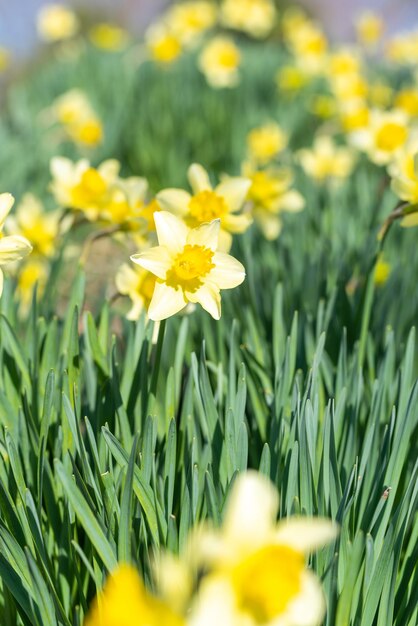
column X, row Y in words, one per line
column 74, row 111
column 206, row 204
column 188, row 267
column 254, row 17
column 369, row 27
column 270, row 196
column 380, row 94
column 88, row 132
column 40, row 227
column 309, row 45
column 291, row 78
column 256, row 572
column 14, row 247
column 138, row 284
column 326, row 160
column 163, row 46
column 56, row 22
column 220, row 61
column 109, row 36
column 189, row 20
column 344, row 62
column 404, row 174
column 384, row 137
column 4, row 59
column 124, row 601
column 407, row 101
column 265, row 142
column 381, row 272
column 403, row 48
column 354, row 114
column 33, row 271
column 323, row 106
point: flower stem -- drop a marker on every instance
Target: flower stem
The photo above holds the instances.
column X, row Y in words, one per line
column 152, row 395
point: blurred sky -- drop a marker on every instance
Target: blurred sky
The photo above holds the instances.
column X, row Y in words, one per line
column 17, row 17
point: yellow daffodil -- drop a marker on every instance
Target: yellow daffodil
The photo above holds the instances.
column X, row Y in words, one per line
column 33, row 271
column 323, row 106
column 41, row 228
column 163, row 45
column 381, row 272
column 109, row 36
column 309, row 45
column 403, row 48
column 327, row 160
column 354, row 114
column 254, row 17
column 344, row 62
column 13, row 247
column 206, row 204
column 291, row 79
column 74, row 111
column 138, row 284
column 270, row 195
column 380, row 94
column 384, row 137
column 124, row 601
column 189, row 20
column 404, row 174
column 56, row 22
column 220, row 61
column 88, row 132
column 188, row 267
column 407, row 101
column 4, row 59
column 256, row 572
column 265, row 142
column 369, row 27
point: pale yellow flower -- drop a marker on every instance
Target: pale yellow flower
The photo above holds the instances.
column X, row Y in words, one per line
column 369, row 27
column 40, row 227
column 291, row 78
column 270, row 196
column 109, row 36
column 4, row 59
column 323, row 106
column 309, row 45
column 354, row 114
column 33, row 271
column 256, row 572
column 138, row 284
column 344, row 62
column 189, row 20
column 124, row 601
column 326, row 160
column 188, row 267
column 13, row 247
column 254, row 17
column 163, row 46
column 380, row 95
column 381, row 272
column 265, row 142
column 220, row 61
column 404, row 174
column 384, row 137
column 407, row 101
column 403, row 48
column 75, row 112
column 224, row 202
column 56, row 22
column 88, row 132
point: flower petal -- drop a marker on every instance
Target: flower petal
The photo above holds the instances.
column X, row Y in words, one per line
column 13, row 248
column 292, row 201
column 171, row 231
column 156, row 260
column 228, row 271
column 236, row 223
column 234, row 191
column 198, row 178
column 269, row 223
column 209, row 298
column 305, row 534
column 166, row 301
column 6, row 203
column 308, row 608
column 174, row 200
column 206, row 235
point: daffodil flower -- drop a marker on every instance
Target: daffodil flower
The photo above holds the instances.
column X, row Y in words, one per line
column 188, row 267
column 325, row 160
column 14, row 247
column 384, row 137
column 256, row 567
column 219, row 61
column 206, row 204
column 254, row 17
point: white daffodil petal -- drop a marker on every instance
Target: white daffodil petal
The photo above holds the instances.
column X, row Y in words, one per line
column 269, row 224
column 166, row 301
column 171, row 231
column 13, row 248
column 209, row 298
column 236, row 223
column 228, row 272
column 305, row 534
column 198, row 178
column 6, row 203
column 234, row 191
column 215, row 604
column 156, row 260
column 292, row 201
column 308, row 608
column 225, row 241
column 175, row 200
column 251, row 511
column 206, row 235
column 109, row 169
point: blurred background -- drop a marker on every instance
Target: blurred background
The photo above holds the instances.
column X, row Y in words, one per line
column 17, row 17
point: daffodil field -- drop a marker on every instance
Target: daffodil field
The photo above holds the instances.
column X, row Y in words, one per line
column 208, row 354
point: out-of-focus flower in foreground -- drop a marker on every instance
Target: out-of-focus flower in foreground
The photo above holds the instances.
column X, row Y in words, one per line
column 369, row 28
column 326, row 160
column 109, row 36
column 270, row 195
column 404, row 174
column 188, row 267
column 384, row 137
column 41, row 228
column 138, row 284
column 265, row 142
column 254, row 17
column 13, row 247
column 407, row 101
column 219, row 61
column 256, row 573
column 224, row 202
column 124, row 601
column 56, row 22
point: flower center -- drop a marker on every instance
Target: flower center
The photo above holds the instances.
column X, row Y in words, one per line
column 390, row 136
column 189, row 266
column 267, row 581
column 206, row 206
column 90, row 189
column 228, row 58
